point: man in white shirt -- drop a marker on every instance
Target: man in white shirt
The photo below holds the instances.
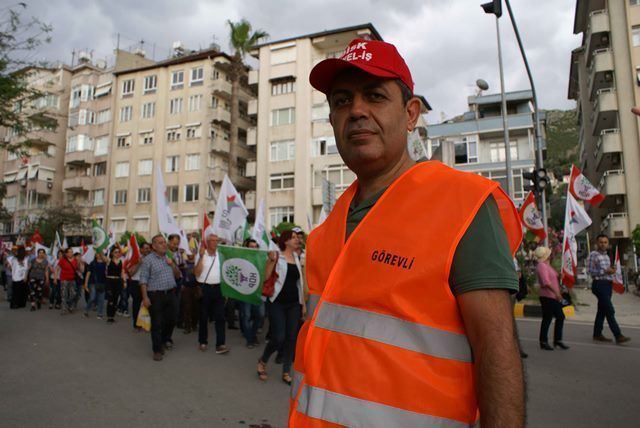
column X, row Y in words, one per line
column 207, row 272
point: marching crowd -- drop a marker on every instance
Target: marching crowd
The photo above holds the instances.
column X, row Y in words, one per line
column 179, row 290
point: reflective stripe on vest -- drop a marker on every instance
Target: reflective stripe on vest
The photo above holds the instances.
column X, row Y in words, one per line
column 295, row 383
column 393, row 331
column 312, row 303
column 353, row 412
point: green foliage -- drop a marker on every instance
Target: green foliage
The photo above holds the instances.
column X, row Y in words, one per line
column 562, row 141
column 242, row 38
column 635, row 238
column 285, row 225
column 124, row 239
column 53, row 220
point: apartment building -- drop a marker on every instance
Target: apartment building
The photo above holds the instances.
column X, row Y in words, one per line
column 34, row 182
column 296, row 148
column 474, row 141
column 175, row 115
column 605, row 82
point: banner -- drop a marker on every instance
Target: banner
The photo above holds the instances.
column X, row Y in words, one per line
column 166, row 223
column 576, row 220
column 133, row 253
column 242, row 273
column 581, row 188
column 259, row 232
column 618, row 282
column 231, row 215
column 100, row 237
column 531, row 217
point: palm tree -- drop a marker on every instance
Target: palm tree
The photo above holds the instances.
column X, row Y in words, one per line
column 242, row 38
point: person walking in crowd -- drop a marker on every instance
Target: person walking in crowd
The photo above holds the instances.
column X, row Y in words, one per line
column 287, row 305
column 79, row 281
column 134, row 284
column 55, row 293
column 95, row 284
column 601, row 271
column 550, row 300
column 38, row 279
column 68, row 270
column 19, row 266
column 190, row 297
column 400, row 226
column 176, row 253
column 207, row 272
column 115, row 282
column 251, row 315
column 158, row 275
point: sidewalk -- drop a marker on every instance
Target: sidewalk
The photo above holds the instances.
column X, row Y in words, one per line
column 627, row 307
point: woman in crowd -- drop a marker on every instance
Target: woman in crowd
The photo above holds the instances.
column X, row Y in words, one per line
column 55, row 293
column 550, row 300
column 189, row 301
column 95, row 283
column 38, row 279
column 19, row 266
column 250, row 315
column 287, row 304
column 115, row 281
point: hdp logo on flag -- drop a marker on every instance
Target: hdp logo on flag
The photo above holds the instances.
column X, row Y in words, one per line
column 242, row 273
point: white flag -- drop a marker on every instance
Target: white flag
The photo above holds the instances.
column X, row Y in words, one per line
column 166, row 223
column 231, row 215
column 259, row 232
column 576, row 220
column 322, row 217
column 89, row 255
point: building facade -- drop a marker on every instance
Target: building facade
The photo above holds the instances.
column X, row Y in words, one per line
column 605, row 82
column 296, row 147
column 474, row 141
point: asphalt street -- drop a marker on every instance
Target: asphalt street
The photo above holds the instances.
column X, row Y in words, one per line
column 69, row 371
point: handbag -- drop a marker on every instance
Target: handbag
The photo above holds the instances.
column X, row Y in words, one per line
column 269, row 286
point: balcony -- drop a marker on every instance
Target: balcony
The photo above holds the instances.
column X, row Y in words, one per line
column 244, row 183
column 220, row 146
column 221, row 117
column 79, row 159
column 600, row 72
column 608, row 143
column 613, row 183
column 252, row 136
column 250, row 200
column 605, row 111
column 252, row 109
column 597, row 34
column 316, row 196
column 251, row 169
column 77, row 184
column 615, row 225
column 254, row 77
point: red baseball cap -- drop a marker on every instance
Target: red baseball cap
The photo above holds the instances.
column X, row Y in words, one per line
column 371, row 56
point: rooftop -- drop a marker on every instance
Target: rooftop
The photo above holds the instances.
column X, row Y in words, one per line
column 525, row 95
column 195, row 56
column 367, row 26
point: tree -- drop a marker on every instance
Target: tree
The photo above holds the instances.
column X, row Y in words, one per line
column 242, row 38
column 55, row 219
column 18, row 39
column 124, row 239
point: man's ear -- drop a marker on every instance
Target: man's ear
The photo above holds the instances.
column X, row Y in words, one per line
column 413, row 108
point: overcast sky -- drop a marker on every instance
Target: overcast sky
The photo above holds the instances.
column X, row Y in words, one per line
column 448, row 44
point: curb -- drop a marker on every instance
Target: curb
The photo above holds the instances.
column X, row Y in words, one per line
column 522, row 310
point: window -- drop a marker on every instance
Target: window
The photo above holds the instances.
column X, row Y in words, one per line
column 46, row 101
column 123, row 141
column 126, row 113
column 214, row 102
column 193, row 132
column 150, row 84
column 324, row 146
column 144, row 195
column 120, row 197
column 177, row 79
column 283, row 116
column 102, row 146
column 278, row 215
column 172, row 193
column 103, row 116
column 127, row 88
column 148, row 110
column 118, row 225
column 74, row 99
column 197, row 76
column 635, row 35
column 634, row 2
column 172, row 163
column 79, row 143
column 497, row 151
column 281, row 181
column 282, row 150
column 194, row 102
column 175, row 106
column 189, row 222
column 98, row 197
column 192, row 162
column 100, row 168
column 340, row 175
column 86, row 117
column 141, row 224
column 146, row 138
column 122, row 169
column 173, row 135
column 501, row 177
column 320, row 112
column 215, row 75
column 466, row 151
column 191, row 192
column 145, row 166
column 278, row 88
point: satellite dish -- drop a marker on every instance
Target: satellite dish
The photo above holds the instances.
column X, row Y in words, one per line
column 482, row 84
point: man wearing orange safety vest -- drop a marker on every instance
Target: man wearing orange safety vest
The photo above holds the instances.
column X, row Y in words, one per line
column 410, row 322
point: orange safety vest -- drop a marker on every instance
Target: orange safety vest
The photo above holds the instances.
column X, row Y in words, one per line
column 386, row 345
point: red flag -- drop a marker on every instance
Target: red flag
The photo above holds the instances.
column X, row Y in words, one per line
column 36, row 237
column 531, row 217
column 618, row 283
column 206, row 224
column 581, row 188
column 568, row 266
column 133, row 254
column 84, row 247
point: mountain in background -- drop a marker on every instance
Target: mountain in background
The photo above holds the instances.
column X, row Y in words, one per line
column 562, row 141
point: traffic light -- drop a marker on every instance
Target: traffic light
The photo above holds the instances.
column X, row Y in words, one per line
column 538, row 178
column 494, row 7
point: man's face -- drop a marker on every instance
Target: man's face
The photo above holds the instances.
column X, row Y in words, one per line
column 603, row 244
column 212, row 242
column 174, row 244
column 370, row 121
column 145, row 249
column 159, row 245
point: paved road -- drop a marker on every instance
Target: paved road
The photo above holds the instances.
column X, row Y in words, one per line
column 69, row 371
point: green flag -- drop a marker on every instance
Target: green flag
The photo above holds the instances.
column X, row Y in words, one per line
column 242, row 273
column 100, row 237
